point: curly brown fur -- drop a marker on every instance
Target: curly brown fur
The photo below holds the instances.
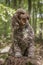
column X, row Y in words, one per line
column 23, row 35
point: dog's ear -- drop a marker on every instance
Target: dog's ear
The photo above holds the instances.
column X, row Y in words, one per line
column 17, row 17
column 15, row 20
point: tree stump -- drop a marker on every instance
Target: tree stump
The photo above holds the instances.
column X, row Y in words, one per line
column 19, row 61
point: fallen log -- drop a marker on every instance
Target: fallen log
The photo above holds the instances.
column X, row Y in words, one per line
column 20, row 61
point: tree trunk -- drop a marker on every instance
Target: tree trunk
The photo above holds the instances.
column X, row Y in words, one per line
column 20, row 2
column 40, row 30
column 29, row 9
column 34, row 23
column 14, row 4
column 7, row 2
column 29, row 6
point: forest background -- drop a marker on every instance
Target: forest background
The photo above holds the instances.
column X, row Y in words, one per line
column 7, row 9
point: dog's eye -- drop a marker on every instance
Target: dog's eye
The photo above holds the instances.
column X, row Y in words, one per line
column 28, row 18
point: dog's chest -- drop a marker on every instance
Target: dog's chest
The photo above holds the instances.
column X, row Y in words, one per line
column 25, row 33
column 22, row 33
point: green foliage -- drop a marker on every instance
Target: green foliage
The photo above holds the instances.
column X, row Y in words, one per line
column 4, row 56
column 5, row 21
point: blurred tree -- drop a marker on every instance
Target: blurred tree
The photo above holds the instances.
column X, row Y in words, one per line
column 20, row 4
column 29, row 6
column 41, row 24
column 7, row 2
column 34, row 16
column 14, row 4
